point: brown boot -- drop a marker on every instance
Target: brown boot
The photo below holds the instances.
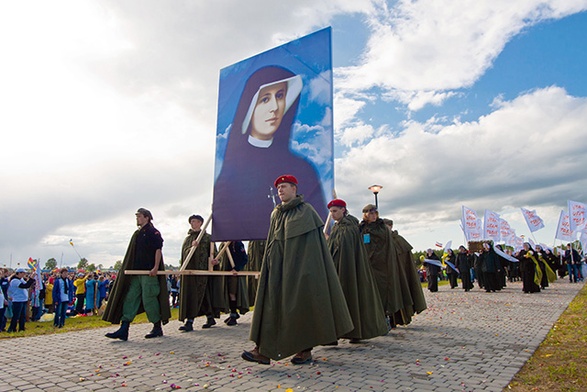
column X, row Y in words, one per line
column 255, row 356
column 302, row 357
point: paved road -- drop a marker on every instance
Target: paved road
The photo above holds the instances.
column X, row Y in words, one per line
column 473, row 341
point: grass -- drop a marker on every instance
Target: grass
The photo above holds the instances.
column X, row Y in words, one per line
column 34, row 328
column 560, row 362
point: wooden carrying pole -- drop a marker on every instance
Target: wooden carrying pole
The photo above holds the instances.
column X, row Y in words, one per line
column 194, row 272
column 193, row 248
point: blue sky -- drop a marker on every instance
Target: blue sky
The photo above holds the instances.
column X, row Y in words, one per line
column 476, row 103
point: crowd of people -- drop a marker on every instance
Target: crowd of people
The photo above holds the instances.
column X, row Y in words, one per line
column 492, row 266
column 346, row 279
column 61, row 293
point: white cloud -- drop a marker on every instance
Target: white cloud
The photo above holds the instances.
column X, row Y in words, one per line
column 528, row 152
column 420, row 50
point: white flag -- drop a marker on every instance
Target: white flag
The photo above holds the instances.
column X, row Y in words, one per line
column 518, row 244
column 563, row 230
column 469, row 220
column 533, row 221
column 577, row 215
column 491, row 228
column 583, row 240
column 447, row 246
column 506, row 232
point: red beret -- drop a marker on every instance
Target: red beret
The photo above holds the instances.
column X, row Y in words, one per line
column 337, row 203
column 286, row 178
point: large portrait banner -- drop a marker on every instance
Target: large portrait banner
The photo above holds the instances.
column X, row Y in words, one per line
column 274, row 118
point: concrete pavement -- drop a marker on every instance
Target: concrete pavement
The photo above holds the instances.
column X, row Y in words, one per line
column 472, row 341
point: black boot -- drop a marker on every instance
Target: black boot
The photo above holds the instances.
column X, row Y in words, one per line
column 232, row 319
column 121, row 333
column 156, row 331
column 187, row 327
column 209, row 322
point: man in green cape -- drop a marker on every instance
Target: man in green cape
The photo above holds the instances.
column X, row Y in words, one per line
column 140, row 293
column 383, row 261
column 300, row 303
column 412, row 296
column 359, row 287
column 198, row 293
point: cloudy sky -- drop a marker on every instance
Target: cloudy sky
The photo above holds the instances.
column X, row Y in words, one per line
column 109, row 106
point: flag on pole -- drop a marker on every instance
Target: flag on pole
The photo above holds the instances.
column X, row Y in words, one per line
column 71, row 242
column 533, row 221
column 32, row 264
column 577, row 215
column 563, row 229
column 491, row 229
column 583, row 240
column 506, row 232
column 439, row 244
column 447, row 246
column 518, row 244
column 470, row 224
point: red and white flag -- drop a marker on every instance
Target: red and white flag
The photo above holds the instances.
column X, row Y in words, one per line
column 533, row 221
column 491, row 228
column 577, row 215
column 563, row 229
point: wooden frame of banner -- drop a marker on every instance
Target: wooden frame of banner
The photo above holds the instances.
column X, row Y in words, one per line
column 195, row 272
column 183, row 271
column 198, row 239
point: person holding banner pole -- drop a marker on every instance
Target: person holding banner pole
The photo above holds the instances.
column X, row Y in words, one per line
column 133, row 294
column 196, row 291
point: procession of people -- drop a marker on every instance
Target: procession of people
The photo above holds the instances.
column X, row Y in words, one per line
column 317, row 283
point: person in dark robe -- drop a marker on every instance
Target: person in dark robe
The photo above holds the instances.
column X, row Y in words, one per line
column 504, row 263
column 413, row 297
column 464, row 265
column 300, row 303
column 432, row 271
column 236, row 286
column 451, row 273
column 490, row 265
column 354, row 272
column 530, row 284
column 551, row 259
column 199, row 294
column 255, row 252
column 140, row 293
column 384, row 264
column 548, row 274
column 257, row 151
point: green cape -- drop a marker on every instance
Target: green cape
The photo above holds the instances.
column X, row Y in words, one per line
column 242, row 295
column 384, row 264
column 193, row 287
column 255, row 252
column 414, row 299
column 359, row 287
column 113, row 311
column 300, row 303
